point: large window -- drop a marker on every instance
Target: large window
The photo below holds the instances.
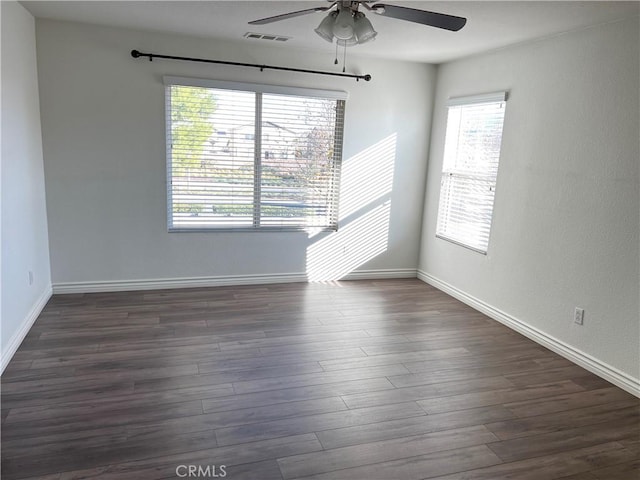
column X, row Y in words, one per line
column 470, row 169
column 245, row 156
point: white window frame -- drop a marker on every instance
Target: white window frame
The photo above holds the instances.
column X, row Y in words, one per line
column 449, row 173
column 258, row 89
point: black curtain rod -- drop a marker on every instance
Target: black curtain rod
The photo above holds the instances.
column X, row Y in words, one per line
column 151, row 56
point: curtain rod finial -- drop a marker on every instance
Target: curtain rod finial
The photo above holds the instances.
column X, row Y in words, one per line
column 135, row 53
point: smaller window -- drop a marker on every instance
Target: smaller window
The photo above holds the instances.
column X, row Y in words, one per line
column 470, row 169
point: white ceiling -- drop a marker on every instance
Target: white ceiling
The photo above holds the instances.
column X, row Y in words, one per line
column 490, row 25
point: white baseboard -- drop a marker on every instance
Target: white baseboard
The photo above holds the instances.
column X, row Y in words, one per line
column 609, row 373
column 167, row 283
column 382, row 273
column 27, row 323
column 220, row 281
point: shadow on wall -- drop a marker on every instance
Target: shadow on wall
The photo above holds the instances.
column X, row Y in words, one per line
column 365, row 207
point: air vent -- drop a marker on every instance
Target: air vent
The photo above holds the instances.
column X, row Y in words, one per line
column 266, row 36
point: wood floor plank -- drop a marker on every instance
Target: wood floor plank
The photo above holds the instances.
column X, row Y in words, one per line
column 589, row 381
column 271, row 341
column 265, row 470
column 582, row 476
column 40, row 353
column 65, row 441
column 69, row 380
column 87, row 393
column 411, row 329
column 439, row 344
column 565, row 440
column 342, row 326
column 562, row 403
column 205, row 351
column 452, row 374
column 87, row 421
column 55, row 476
column 554, row 466
column 231, row 418
column 292, row 381
column 87, row 457
column 632, row 444
column 406, row 427
column 388, row 359
column 191, row 380
column 246, row 363
column 525, row 379
column 313, row 423
column 495, row 397
column 373, row 379
column 623, row 471
column 270, row 397
column 421, row 392
column 165, row 466
column 418, row 467
column 36, row 374
column 176, row 341
column 18, row 364
column 522, row 427
column 104, row 406
column 526, row 352
column 331, row 345
column 382, row 451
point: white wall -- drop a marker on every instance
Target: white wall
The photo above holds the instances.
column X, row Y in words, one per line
column 25, row 245
column 103, row 134
column 565, row 225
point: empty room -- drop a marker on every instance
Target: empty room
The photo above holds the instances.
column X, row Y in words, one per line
column 320, row 240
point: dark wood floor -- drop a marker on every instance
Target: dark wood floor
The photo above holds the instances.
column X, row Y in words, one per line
column 355, row 380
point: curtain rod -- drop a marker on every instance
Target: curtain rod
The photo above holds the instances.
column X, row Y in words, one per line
column 151, row 56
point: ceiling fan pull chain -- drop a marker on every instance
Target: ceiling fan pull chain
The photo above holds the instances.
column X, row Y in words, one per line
column 344, row 60
column 335, row 62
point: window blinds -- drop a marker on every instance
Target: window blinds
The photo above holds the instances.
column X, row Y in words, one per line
column 268, row 157
column 470, row 169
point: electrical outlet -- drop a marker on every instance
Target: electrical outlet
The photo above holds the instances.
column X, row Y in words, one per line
column 578, row 316
column 30, row 277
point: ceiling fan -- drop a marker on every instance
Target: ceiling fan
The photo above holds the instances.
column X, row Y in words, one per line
column 349, row 26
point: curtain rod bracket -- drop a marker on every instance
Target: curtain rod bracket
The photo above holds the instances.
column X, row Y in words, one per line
column 138, row 54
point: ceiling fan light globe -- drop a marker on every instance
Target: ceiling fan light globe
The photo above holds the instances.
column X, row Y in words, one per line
column 344, row 27
column 363, row 29
column 325, row 29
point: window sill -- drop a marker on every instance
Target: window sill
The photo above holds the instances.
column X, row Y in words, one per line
column 459, row 243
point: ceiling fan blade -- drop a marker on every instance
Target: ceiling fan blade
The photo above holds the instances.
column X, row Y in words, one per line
column 284, row 16
column 432, row 19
